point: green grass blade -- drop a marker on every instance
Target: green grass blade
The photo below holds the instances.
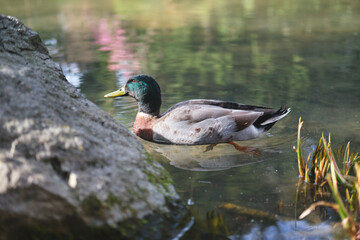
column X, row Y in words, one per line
column 346, row 159
column 316, row 158
column 334, row 166
column 332, row 181
column 357, row 184
column 301, row 166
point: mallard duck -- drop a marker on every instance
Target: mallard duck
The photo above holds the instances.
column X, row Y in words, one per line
column 198, row 121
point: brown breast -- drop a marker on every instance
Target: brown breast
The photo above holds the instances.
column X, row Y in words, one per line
column 143, row 126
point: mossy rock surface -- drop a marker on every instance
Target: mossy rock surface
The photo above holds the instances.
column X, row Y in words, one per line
column 63, row 159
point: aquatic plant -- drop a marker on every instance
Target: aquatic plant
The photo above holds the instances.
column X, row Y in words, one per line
column 321, row 160
column 324, row 170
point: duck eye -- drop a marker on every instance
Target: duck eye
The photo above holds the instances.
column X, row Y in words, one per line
column 132, row 81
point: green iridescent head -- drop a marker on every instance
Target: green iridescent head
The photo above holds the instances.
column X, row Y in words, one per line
column 146, row 92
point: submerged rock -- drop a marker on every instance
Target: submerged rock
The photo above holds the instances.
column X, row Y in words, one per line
column 62, row 156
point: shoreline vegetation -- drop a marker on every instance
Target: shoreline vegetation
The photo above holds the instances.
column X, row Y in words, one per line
column 322, row 171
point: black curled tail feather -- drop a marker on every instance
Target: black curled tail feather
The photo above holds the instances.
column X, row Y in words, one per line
column 269, row 118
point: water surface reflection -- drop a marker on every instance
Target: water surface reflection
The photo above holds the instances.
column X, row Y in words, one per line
column 219, row 157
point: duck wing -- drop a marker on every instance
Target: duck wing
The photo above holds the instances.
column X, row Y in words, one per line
column 210, row 121
column 223, row 104
column 267, row 119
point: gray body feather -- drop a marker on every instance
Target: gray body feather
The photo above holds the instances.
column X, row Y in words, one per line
column 209, row 121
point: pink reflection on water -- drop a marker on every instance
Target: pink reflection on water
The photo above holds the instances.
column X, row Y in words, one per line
column 111, row 37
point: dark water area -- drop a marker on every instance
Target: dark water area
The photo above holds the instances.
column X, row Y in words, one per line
column 300, row 54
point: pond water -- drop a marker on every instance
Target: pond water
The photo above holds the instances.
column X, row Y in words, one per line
column 300, row 54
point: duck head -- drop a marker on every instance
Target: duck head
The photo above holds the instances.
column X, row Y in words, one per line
column 146, row 92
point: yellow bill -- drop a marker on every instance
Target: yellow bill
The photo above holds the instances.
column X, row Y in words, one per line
column 116, row 93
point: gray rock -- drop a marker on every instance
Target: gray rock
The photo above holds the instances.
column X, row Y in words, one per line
column 59, row 153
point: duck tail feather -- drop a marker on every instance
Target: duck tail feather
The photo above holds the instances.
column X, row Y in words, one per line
column 269, row 118
column 279, row 114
